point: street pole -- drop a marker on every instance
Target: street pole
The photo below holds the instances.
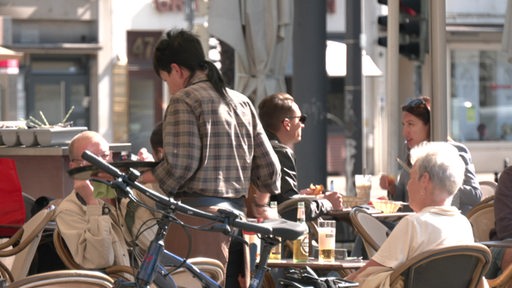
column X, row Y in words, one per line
column 437, row 26
column 392, row 93
column 309, row 88
column 353, row 103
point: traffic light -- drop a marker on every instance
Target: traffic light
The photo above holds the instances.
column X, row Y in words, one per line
column 413, row 33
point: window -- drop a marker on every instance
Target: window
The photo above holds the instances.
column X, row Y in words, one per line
column 480, row 95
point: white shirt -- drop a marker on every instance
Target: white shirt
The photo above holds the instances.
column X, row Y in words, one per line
column 433, row 227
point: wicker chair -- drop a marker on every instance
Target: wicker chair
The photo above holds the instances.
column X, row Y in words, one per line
column 288, row 210
column 213, row 268
column 488, row 189
column 65, row 279
column 460, row 266
column 371, row 230
column 23, row 245
column 115, row 271
column 482, row 220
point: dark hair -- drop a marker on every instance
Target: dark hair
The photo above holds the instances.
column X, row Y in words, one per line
column 273, row 109
column 157, row 138
column 184, row 49
column 419, row 107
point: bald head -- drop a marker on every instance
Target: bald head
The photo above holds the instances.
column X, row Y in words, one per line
column 91, row 141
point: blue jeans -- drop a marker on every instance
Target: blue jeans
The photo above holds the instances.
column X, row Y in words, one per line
column 495, row 267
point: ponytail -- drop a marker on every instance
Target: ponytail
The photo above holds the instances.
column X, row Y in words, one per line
column 215, row 77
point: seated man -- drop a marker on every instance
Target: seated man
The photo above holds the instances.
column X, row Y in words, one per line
column 99, row 228
column 436, row 174
column 283, row 122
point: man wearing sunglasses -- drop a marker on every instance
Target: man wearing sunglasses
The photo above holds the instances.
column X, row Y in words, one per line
column 283, row 122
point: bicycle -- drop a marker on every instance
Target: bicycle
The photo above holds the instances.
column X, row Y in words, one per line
column 157, row 259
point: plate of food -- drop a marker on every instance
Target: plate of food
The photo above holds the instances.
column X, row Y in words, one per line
column 311, row 193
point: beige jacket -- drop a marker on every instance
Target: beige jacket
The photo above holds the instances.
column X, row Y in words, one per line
column 98, row 236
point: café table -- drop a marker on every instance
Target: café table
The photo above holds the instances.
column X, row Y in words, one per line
column 507, row 243
column 343, row 267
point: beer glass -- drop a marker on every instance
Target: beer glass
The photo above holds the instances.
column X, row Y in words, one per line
column 326, row 240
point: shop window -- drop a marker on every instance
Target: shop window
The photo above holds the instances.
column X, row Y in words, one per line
column 480, row 95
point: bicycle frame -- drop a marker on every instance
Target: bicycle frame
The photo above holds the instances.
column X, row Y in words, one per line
column 157, row 262
column 157, row 259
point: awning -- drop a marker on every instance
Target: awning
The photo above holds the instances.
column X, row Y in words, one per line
column 336, row 61
column 260, row 32
column 8, row 54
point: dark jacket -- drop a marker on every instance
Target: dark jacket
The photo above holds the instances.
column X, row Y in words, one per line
column 289, row 186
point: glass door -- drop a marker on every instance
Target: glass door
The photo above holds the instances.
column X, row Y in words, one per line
column 57, row 84
column 51, row 97
column 145, row 107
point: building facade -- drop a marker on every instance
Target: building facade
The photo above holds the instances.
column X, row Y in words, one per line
column 95, row 56
column 89, row 56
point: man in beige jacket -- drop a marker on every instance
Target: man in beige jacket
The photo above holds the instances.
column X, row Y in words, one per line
column 93, row 221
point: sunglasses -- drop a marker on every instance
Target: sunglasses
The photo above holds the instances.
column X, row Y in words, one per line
column 302, row 118
column 419, row 108
column 416, row 105
column 416, row 102
column 105, row 156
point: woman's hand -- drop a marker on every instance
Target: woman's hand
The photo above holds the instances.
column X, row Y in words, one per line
column 388, row 182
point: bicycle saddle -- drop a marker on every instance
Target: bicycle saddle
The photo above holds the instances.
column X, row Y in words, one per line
column 287, row 230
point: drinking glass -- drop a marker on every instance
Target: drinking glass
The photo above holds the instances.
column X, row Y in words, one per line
column 363, row 186
column 326, row 240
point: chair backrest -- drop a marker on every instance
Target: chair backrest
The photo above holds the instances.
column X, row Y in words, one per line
column 460, row 266
column 63, row 251
column 288, row 209
column 487, row 199
column 488, row 188
column 29, row 203
column 5, row 273
column 29, row 236
column 502, row 280
column 371, row 230
column 115, row 271
column 212, row 267
column 482, row 220
column 65, row 279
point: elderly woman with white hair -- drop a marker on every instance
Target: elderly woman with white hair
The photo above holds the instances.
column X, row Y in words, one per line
column 436, row 174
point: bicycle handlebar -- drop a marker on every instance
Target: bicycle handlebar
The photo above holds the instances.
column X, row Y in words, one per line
column 122, row 178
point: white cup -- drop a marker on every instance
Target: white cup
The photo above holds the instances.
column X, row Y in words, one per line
column 326, row 240
column 363, row 185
